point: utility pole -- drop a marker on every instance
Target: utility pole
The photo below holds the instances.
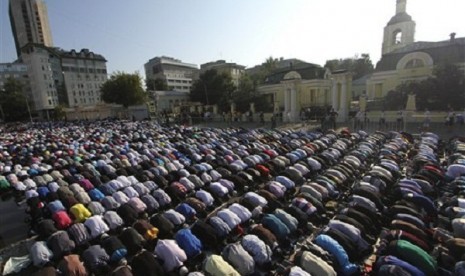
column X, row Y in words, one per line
column 206, row 94
column 3, row 114
column 28, row 110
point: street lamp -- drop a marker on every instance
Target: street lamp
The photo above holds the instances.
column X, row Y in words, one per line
column 28, row 110
column 206, row 92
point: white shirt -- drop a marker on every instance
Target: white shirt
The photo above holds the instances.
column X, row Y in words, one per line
column 115, row 184
column 130, row 192
column 171, row 254
column 31, row 193
column 218, row 189
column 175, row 217
column 113, row 219
column 314, row 164
column 243, row 213
column 206, row 177
column 96, row 225
column 205, row 197
column 231, row 219
column 256, row 199
column 455, row 170
column 124, row 181
column 187, row 183
column 120, row 197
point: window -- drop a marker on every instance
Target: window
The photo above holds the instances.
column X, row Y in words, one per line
column 378, row 90
column 397, row 37
column 312, row 96
column 414, row 63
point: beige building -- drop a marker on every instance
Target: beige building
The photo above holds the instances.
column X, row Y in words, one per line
column 404, row 60
column 178, row 75
column 84, row 72
column 69, row 78
column 29, row 22
column 168, row 100
column 221, row 66
column 295, row 88
column 46, row 78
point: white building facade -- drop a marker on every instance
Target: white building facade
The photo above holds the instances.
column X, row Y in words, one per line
column 44, row 71
column 178, row 75
column 84, row 73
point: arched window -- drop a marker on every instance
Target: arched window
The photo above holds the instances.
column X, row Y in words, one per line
column 414, row 63
column 397, row 37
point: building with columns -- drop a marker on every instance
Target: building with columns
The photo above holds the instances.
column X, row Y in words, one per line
column 404, row 60
column 305, row 85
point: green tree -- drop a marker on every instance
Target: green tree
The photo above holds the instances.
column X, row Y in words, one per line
column 60, row 113
column 247, row 93
column 359, row 66
column 270, row 64
column 266, row 68
column 244, row 94
column 395, row 100
column 213, row 88
column 123, row 88
column 13, row 102
column 444, row 90
column 157, row 84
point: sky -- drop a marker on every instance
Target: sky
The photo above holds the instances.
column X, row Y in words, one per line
column 129, row 33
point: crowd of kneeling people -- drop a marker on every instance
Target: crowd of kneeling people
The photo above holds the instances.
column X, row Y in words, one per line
column 135, row 198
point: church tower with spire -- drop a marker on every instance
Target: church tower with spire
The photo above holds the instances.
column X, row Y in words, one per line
column 400, row 30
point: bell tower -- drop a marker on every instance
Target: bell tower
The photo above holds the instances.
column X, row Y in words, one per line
column 400, row 30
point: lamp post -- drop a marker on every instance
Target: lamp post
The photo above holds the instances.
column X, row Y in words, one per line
column 28, row 110
column 206, row 92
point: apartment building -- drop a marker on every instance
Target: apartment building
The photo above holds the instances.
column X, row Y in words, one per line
column 29, row 23
column 178, row 75
column 84, row 72
column 221, row 66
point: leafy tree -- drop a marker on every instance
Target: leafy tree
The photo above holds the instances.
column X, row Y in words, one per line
column 60, row 113
column 359, row 66
column 157, row 84
column 270, row 64
column 247, row 93
column 123, row 88
column 444, row 90
column 266, row 68
column 213, row 88
column 395, row 100
column 449, row 86
column 13, row 102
